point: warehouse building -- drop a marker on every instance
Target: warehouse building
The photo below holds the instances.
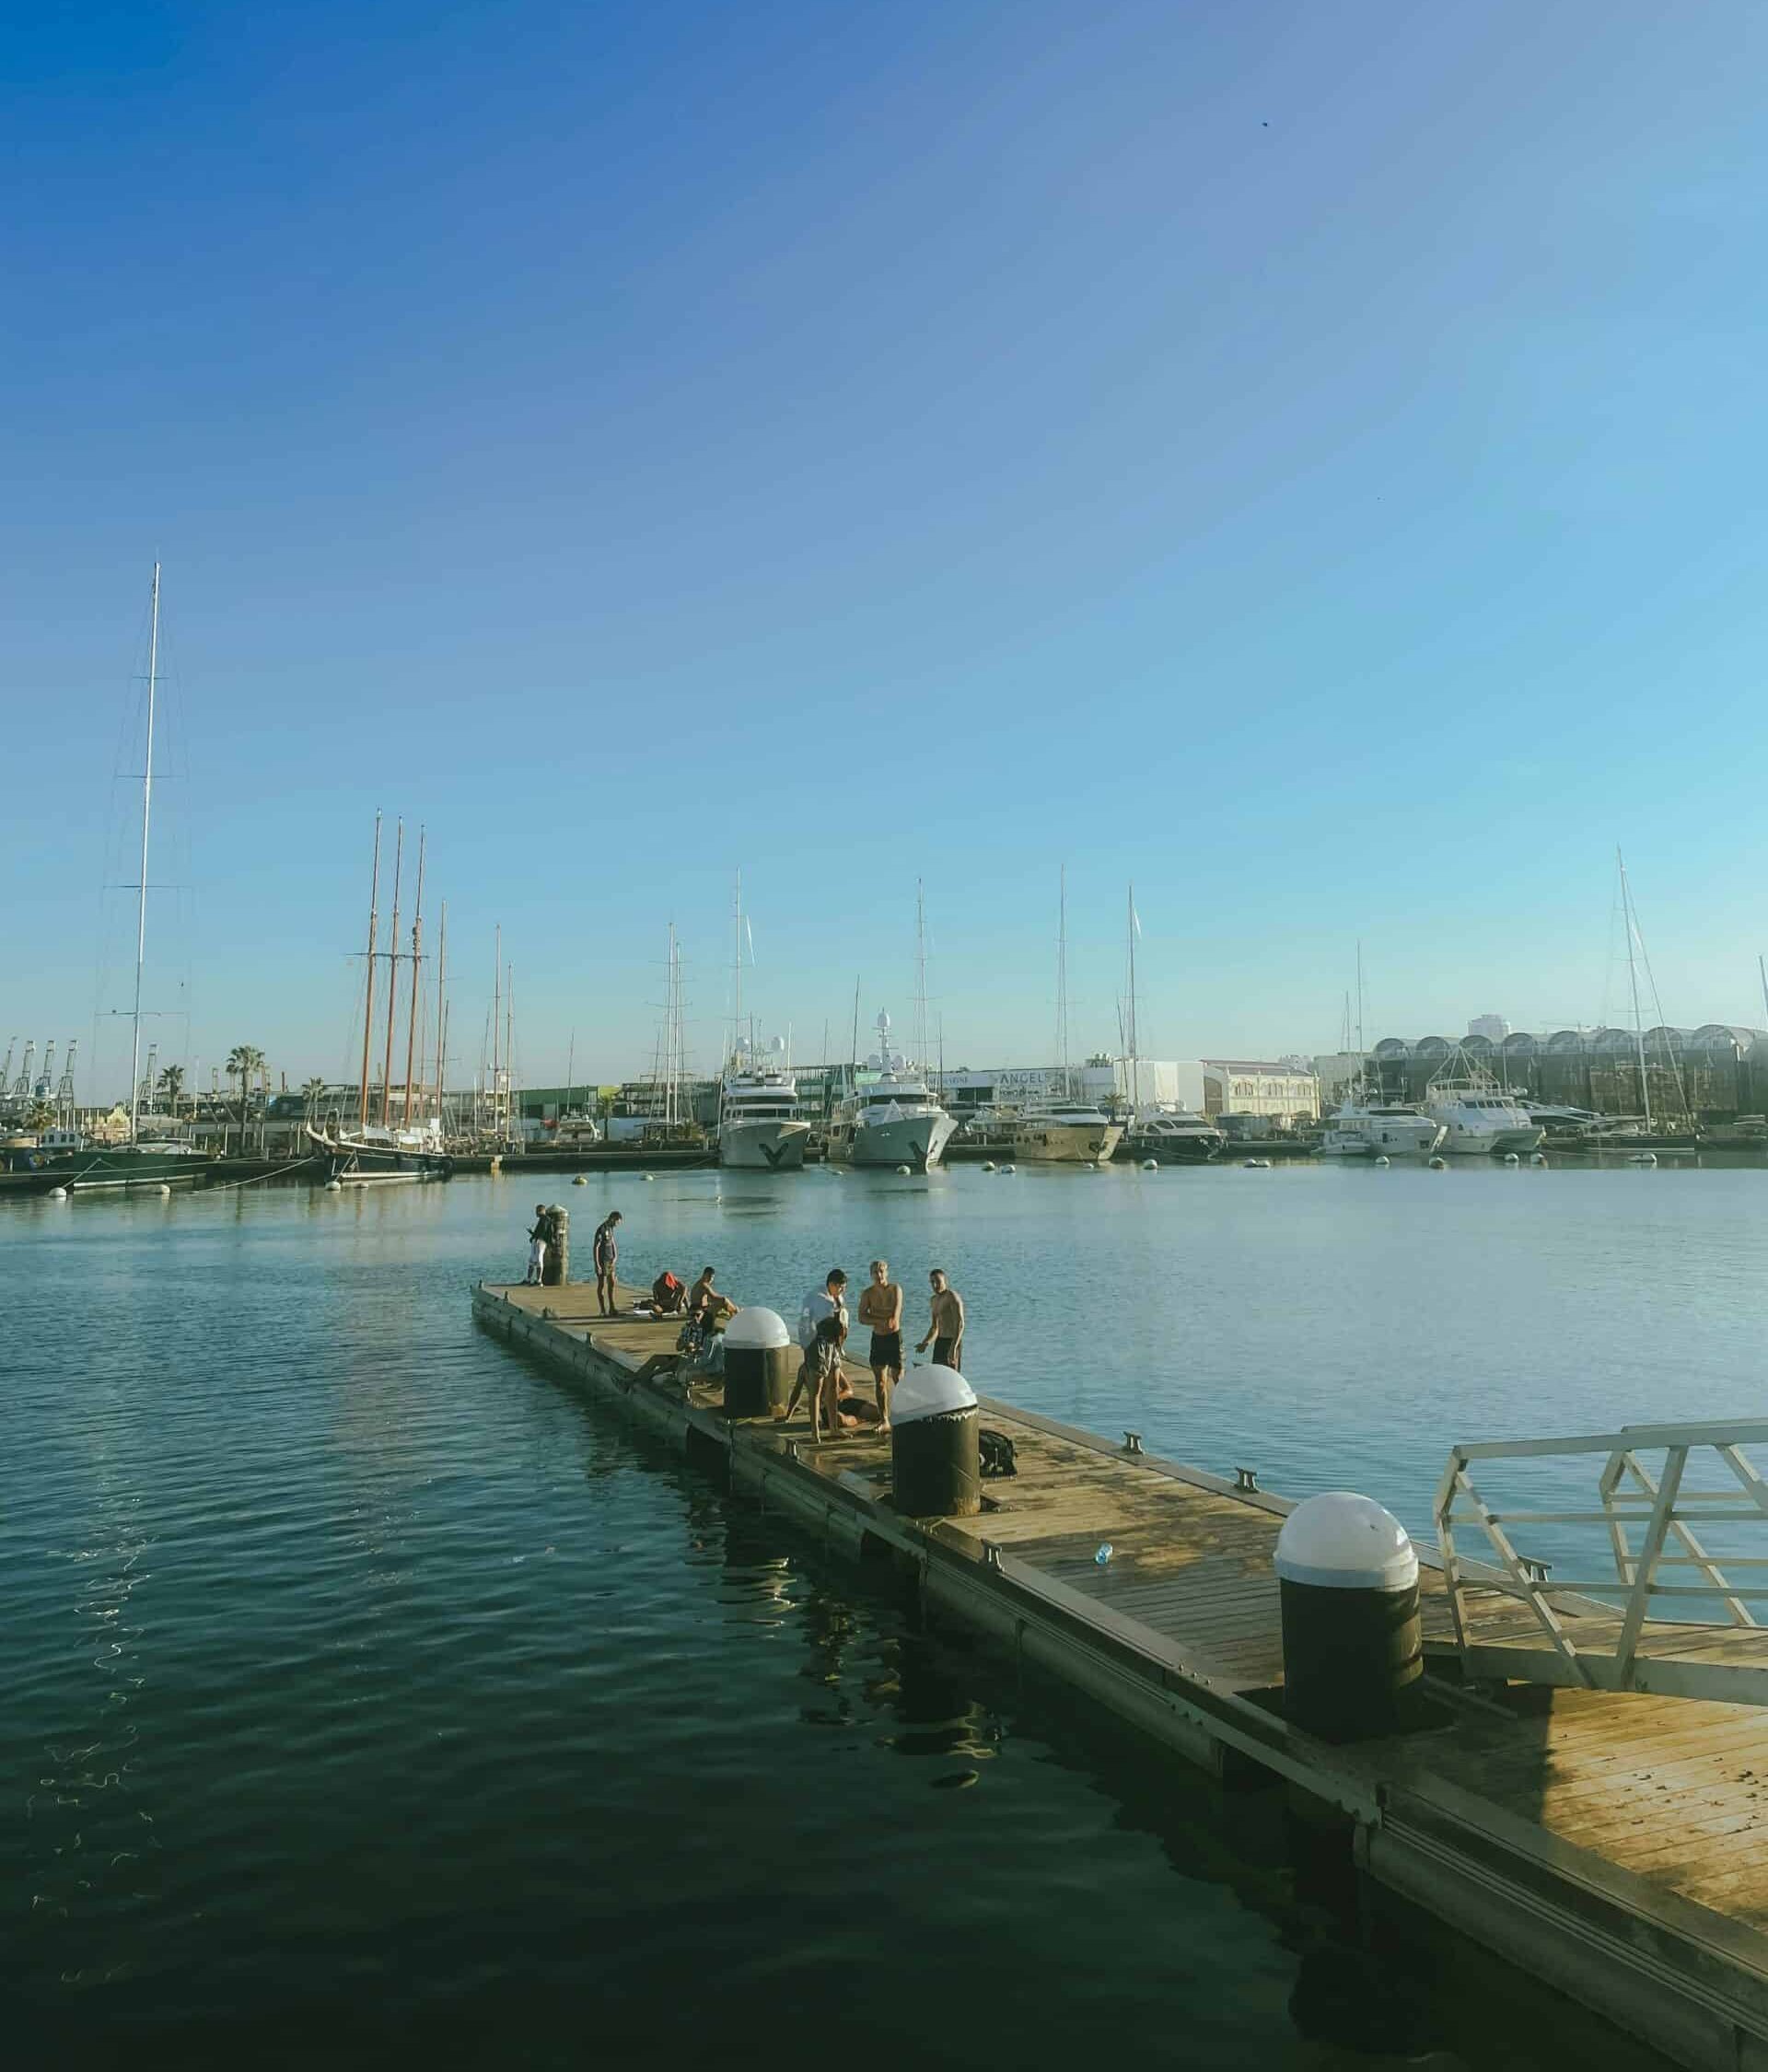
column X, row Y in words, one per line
column 1713, row 1073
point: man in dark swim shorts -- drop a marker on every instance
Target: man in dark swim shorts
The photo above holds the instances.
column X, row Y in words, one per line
column 880, row 1305
column 945, row 1332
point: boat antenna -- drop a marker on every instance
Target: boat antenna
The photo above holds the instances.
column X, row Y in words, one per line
column 368, row 998
column 1761, row 966
column 417, row 944
column 141, row 904
column 1633, row 981
column 856, row 979
column 392, row 980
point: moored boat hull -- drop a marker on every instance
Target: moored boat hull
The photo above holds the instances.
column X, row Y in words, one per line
column 772, row 1146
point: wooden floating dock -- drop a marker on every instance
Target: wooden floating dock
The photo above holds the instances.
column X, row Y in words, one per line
column 1609, row 1843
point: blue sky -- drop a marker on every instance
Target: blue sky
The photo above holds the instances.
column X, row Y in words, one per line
column 1307, row 460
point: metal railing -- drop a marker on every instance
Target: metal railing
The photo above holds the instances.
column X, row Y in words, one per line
column 1630, row 1497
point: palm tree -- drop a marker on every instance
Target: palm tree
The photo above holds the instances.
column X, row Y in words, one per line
column 243, row 1060
column 313, row 1093
column 172, row 1084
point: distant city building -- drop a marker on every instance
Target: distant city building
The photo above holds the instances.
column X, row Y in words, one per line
column 1337, row 1071
column 1493, row 1028
column 1110, row 1082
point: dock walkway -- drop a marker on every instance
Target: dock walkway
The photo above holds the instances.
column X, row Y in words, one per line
column 1610, row 1843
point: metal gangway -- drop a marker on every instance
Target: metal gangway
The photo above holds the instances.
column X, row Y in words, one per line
column 1674, row 1618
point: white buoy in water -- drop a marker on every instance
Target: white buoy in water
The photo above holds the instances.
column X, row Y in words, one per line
column 903, row 1172
column 1539, row 1158
column 334, row 1187
column 163, row 1191
column 649, row 1177
column 1511, row 1159
column 1643, row 1158
column 1092, row 1165
column 1009, row 1169
column 581, row 1181
column 1150, row 1165
column 988, row 1165
column 58, row 1194
column 1439, row 1165
column 1384, row 1160
column 1258, row 1165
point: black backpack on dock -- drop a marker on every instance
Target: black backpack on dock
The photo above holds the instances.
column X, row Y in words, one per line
column 996, row 1455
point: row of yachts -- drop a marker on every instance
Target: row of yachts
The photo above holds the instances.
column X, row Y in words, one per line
column 892, row 1118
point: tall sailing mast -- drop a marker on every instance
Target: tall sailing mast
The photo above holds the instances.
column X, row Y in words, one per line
column 920, row 978
column 737, row 972
column 1062, row 984
column 369, row 1001
column 417, row 943
column 1633, row 981
column 141, row 906
column 441, row 1016
column 497, row 1020
column 1135, row 928
column 392, row 981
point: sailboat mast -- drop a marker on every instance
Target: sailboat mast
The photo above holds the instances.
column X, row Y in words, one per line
column 417, row 944
column 496, row 1017
column 1062, row 981
column 1136, row 1063
column 141, row 903
column 736, row 972
column 1359, row 995
column 368, row 1000
column 1633, row 981
column 920, row 976
column 392, row 980
column 1762, row 967
column 441, row 1033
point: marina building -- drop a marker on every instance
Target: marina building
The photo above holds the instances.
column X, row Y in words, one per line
column 1281, row 1092
column 1713, row 1073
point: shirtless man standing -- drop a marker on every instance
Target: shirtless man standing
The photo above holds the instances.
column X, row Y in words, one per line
column 880, row 1305
column 606, row 1248
column 946, row 1332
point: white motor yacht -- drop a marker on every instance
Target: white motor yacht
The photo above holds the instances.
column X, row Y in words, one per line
column 758, row 1124
column 1065, row 1133
column 891, row 1119
column 1370, row 1129
column 1174, row 1135
column 1478, row 1116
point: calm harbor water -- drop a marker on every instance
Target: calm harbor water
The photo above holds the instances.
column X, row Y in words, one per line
column 366, row 1693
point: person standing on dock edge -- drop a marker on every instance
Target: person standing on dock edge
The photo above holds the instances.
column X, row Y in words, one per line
column 538, row 1238
column 607, row 1251
column 880, row 1305
column 946, row 1332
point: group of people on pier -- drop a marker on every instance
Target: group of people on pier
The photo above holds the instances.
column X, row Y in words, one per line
column 823, row 1326
column 823, row 1323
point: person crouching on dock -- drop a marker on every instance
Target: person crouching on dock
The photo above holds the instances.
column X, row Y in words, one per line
column 821, row 1374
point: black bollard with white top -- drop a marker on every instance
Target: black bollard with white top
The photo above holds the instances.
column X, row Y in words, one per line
column 936, row 1471
column 1351, row 1647
column 759, row 1363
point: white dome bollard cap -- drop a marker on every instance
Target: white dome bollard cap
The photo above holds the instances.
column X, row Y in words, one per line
column 1341, row 1542
column 756, row 1331
column 930, row 1392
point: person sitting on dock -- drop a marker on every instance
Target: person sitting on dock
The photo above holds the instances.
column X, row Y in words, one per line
column 707, row 1303
column 668, row 1296
column 880, row 1305
column 945, row 1332
column 605, row 1247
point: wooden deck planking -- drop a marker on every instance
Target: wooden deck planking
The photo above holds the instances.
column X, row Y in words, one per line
column 1664, row 1790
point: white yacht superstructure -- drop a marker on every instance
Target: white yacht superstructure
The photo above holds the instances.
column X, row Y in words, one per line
column 1065, row 1133
column 1375, row 1129
column 890, row 1118
column 1174, row 1134
column 1477, row 1115
column 758, row 1124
